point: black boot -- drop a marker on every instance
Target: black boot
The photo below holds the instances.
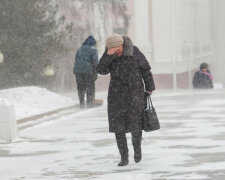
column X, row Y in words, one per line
column 90, row 98
column 136, row 141
column 81, row 98
column 123, row 149
column 124, row 161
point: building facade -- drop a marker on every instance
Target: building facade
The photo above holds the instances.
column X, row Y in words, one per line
column 218, row 39
column 177, row 39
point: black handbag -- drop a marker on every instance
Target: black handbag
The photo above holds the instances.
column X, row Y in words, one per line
column 150, row 119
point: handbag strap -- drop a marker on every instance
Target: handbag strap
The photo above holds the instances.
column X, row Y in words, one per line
column 149, row 102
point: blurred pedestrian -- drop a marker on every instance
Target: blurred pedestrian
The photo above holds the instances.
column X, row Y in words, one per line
column 85, row 64
column 203, row 79
column 128, row 70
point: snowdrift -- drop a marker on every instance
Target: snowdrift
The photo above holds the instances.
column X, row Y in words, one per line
column 30, row 101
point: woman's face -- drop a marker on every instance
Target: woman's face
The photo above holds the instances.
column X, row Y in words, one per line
column 119, row 50
column 204, row 69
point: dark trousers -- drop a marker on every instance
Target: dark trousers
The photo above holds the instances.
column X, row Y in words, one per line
column 85, row 84
column 121, row 140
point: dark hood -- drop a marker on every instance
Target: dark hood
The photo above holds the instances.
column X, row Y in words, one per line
column 90, row 41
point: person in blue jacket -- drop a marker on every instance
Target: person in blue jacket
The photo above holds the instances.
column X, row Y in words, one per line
column 85, row 64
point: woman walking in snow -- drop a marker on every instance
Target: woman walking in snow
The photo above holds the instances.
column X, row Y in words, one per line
column 128, row 69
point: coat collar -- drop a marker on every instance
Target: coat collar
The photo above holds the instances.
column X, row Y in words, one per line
column 128, row 47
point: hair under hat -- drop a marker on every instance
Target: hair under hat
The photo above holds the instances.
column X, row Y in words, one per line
column 114, row 40
column 203, row 66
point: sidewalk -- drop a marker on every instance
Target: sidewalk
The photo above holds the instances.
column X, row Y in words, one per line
column 190, row 144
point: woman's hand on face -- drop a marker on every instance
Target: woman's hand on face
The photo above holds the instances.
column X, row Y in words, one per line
column 112, row 51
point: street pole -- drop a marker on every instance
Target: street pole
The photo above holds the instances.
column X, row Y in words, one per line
column 174, row 56
column 1, row 58
column 191, row 63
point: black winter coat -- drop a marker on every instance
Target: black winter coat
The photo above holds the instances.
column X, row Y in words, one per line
column 202, row 81
column 126, row 90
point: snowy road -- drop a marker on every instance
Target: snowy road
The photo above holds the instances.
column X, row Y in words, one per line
column 190, row 144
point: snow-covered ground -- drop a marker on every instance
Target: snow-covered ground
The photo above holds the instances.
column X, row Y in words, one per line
column 190, row 144
column 30, row 101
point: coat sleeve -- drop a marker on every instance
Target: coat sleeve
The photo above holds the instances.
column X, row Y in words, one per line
column 195, row 81
column 211, row 84
column 95, row 57
column 103, row 66
column 145, row 71
column 74, row 67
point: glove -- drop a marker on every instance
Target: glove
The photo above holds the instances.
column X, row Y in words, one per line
column 149, row 92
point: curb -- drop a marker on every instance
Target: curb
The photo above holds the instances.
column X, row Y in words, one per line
column 47, row 116
column 34, row 118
